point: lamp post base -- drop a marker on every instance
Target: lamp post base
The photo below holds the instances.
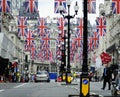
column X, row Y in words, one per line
column 68, row 78
column 84, row 86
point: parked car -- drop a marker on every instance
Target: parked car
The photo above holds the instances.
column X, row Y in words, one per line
column 115, row 91
column 42, row 76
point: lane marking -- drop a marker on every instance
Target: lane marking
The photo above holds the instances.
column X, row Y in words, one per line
column 20, row 85
column 2, row 90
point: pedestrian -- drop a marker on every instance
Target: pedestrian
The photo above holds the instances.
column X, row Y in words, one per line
column 107, row 76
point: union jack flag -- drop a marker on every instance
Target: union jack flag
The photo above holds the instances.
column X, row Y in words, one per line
column 92, row 6
column 57, row 4
column 78, row 40
column 101, row 25
column 95, row 39
column 51, row 57
column 73, row 45
column 46, row 45
column 46, row 39
column 31, row 6
column 72, row 56
column 80, row 26
column 5, row 6
column 61, row 23
column 47, row 54
column 116, row 6
column 90, row 44
column 58, row 51
column 42, row 26
column 30, row 38
column 22, row 26
column 33, row 51
column 77, row 57
column 40, row 55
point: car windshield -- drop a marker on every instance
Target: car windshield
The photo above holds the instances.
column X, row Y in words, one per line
column 42, row 72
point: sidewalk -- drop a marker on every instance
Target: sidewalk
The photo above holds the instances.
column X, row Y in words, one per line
column 95, row 88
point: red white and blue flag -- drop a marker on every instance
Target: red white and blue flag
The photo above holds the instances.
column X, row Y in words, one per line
column 116, row 6
column 80, row 26
column 101, row 25
column 22, row 26
column 51, row 57
column 58, row 48
column 33, row 51
column 57, row 4
column 92, row 6
column 46, row 45
column 40, row 55
column 90, row 43
column 78, row 40
column 5, row 6
column 31, row 6
column 30, row 39
column 61, row 23
column 46, row 39
column 42, row 26
column 73, row 45
column 95, row 39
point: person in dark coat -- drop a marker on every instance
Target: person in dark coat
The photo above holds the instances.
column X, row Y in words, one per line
column 107, row 76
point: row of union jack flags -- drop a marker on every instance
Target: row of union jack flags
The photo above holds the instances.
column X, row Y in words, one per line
column 43, row 51
column 91, row 6
column 31, row 6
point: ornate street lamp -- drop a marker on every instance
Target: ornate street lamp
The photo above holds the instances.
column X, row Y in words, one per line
column 84, row 78
column 68, row 17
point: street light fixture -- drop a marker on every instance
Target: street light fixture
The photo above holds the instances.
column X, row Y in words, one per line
column 84, row 78
column 68, row 17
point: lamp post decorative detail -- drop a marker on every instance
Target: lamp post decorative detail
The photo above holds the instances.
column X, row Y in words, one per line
column 84, row 78
column 68, row 17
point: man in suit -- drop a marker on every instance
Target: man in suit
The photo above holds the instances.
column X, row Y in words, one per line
column 107, row 76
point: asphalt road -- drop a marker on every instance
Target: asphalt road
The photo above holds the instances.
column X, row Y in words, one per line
column 51, row 89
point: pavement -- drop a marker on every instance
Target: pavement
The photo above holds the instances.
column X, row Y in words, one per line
column 95, row 88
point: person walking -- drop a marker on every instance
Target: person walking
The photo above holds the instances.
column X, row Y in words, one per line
column 107, row 75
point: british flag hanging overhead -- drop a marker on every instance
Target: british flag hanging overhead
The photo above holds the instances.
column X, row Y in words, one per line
column 90, row 43
column 61, row 23
column 31, row 6
column 29, row 40
column 79, row 40
column 92, row 6
column 57, row 4
column 95, row 39
column 33, row 51
column 46, row 45
column 101, row 25
column 22, row 26
column 42, row 26
column 116, row 6
column 5, row 6
column 80, row 26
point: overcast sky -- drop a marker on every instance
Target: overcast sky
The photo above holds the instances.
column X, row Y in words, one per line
column 46, row 8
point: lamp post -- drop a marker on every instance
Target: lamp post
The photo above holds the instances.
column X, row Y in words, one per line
column 84, row 78
column 68, row 17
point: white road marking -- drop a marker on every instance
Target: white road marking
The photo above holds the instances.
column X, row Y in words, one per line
column 2, row 90
column 20, row 85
